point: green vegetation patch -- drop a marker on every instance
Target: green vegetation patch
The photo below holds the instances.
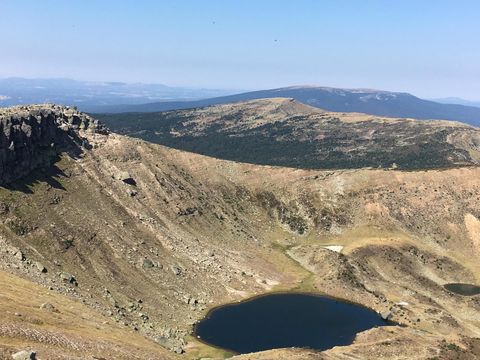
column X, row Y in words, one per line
column 299, row 141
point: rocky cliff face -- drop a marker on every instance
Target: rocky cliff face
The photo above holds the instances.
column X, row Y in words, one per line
column 32, row 136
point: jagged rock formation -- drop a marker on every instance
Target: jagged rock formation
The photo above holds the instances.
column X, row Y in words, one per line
column 32, row 136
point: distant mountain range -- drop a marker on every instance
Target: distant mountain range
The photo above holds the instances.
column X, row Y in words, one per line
column 117, row 97
column 458, row 101
column 91, row 95
column 374, row 102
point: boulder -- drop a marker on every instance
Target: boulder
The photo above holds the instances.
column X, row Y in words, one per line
column 24, row 355
column 68, row 278
column 178, row 350
column 210, row 253
column 189, row 211
column 48, row 307
column 147, row 264
column 40, row 267
column 19, row 255
column 177, row 270
column 132, row 192
column 386, row 315
column 125, row 177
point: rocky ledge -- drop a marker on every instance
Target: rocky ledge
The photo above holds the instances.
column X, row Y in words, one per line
column 32, row 136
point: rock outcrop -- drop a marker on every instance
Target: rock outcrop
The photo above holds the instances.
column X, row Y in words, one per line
column 32, row 136
column 24, row 355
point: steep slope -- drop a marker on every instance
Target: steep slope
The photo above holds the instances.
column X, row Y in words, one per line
column 284, row 132
column 152, row 237
column 373, row 102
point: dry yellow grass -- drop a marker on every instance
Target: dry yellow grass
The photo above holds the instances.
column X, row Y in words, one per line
column 71, row 330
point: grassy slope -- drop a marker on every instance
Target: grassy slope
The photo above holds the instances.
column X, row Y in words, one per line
column 71, row 330
column 244, row 215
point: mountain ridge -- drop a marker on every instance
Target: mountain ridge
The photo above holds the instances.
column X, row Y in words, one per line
column 89, row 94
column 374, row 102
column 458, row 101
column 284, row 132
column 116, row 96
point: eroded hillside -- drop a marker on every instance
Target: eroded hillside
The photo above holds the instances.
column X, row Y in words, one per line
column 150, row 238
column 284, row 132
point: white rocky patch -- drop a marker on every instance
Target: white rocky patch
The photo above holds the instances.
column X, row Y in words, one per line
column 336, row 248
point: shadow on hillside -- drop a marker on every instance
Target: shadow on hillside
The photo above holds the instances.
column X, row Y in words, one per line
column 49, row 175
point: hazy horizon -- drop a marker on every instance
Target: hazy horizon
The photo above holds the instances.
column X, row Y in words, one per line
column 421, row 48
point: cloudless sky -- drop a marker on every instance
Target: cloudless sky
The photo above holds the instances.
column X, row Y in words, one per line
column 428, row 47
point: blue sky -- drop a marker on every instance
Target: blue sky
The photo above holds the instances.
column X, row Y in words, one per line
column 430, row 48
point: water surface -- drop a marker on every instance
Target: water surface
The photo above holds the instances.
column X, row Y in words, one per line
column 463, row 289
column 286, row 320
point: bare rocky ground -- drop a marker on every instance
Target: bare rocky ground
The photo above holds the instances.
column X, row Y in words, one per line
column 131, row 243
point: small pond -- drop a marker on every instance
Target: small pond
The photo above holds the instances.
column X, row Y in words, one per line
column 285, row 320
column 463, row 289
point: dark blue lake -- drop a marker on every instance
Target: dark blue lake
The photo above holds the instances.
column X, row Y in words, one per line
column 286, row 320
